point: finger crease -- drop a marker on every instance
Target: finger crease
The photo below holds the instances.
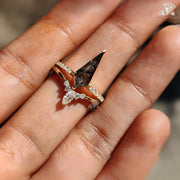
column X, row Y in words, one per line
column 130, row 32
column 95, row 151
column 100, row 133
column 18, row 74
column 108, row 118
column 94, row 147
column 63, row 27
column 68, row 32
column 10, row 153
column 28, row 138
column 138, row 88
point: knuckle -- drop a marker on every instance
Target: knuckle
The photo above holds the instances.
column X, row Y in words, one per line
column 125, row 28
column 138, row 87
column 17, row 152
column 15, row 65
column 65, row 29
column 96, row 138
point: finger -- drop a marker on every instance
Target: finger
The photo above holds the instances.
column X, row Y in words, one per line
column 120, row 36
column 88, row 147
column 49, row 122
column 25, row 63
column 139, row 150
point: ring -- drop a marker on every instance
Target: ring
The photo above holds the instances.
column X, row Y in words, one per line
column 80, row 79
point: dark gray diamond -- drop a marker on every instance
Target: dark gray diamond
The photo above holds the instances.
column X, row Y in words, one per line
column 84, row 75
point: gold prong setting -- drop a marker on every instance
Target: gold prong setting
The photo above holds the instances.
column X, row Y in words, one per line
column 96, row 93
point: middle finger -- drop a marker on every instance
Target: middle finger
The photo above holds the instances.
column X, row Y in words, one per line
column 46, row 128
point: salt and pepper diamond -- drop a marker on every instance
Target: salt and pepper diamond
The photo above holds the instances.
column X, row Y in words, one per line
column 84, row 75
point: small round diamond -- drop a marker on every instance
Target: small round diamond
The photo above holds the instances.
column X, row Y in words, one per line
column 66, row 83
column 77, row 96
column 65, row 68
column 69, row 70
column 58, row 63
column 67, row 88
column 101, row 98
column 95, row 92
column 62, row 65
column 82, row 96
column 91, row 89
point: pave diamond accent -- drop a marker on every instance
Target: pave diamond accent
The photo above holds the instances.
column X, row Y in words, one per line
column 71, row 94
column 82, row 96
column 77, row 96
column 63, row 66
column 96, row 93
column 67, row 86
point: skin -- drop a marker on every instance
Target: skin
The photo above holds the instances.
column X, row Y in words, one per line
column 122, row 138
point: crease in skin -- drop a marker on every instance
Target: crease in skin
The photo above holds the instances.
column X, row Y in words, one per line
column 23, row 73
column 64, row 28
column 138, row 88
column 94, row 141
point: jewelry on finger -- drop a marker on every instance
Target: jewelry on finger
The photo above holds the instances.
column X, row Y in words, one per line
column 81, row 78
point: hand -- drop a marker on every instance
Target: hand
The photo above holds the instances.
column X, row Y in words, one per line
column 45, row 141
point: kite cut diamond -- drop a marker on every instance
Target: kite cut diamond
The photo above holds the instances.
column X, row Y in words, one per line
column 84, row 75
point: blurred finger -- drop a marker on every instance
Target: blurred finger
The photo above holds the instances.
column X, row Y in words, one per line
column 139, row 150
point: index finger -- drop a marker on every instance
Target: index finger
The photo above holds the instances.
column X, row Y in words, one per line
column 25, row 63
